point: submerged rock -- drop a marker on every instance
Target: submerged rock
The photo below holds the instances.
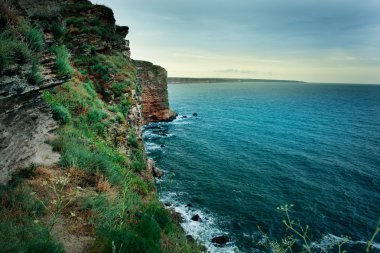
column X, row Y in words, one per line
column 223, row 239
column 189, row 205
column 196, row 218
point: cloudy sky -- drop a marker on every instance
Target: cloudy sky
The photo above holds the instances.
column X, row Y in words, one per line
column 309, row 40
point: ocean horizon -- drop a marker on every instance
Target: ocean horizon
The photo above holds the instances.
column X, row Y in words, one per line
column 238, row 151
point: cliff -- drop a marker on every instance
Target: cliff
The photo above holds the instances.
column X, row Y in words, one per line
column 153, row 80
column 25, row 119
column 73, row 170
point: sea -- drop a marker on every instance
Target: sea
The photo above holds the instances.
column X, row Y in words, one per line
column 238, row 152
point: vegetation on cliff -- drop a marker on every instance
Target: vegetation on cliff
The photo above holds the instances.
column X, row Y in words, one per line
column 101, row 197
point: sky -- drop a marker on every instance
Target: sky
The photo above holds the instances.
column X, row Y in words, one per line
column 307, row 40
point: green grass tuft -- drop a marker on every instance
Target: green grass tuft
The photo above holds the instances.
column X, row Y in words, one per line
column 63, row 65
column 61, row 114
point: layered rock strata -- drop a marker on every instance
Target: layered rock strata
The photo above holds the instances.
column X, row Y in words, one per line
column 26, row 122
column 153, row 80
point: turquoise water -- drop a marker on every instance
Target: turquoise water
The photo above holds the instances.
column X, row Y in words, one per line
column 256, row 146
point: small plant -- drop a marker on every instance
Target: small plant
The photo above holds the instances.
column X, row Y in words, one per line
column 369, row 246
column 62, row 198
column 297, row 229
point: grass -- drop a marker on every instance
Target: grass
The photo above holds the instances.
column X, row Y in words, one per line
column 34, row 76
column 21, row 43
column 63, row 64
column 33, row 37
column 96, row 141
column 130, row 219
column 20, row 230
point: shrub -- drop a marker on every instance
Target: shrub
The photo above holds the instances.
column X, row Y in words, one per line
column 61, row 114
column 63, row 65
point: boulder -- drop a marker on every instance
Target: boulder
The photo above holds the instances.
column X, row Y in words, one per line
column 196, row 218
column 222, row 239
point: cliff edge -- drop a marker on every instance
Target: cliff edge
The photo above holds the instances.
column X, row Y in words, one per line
column 74, row 176
column 153, row 81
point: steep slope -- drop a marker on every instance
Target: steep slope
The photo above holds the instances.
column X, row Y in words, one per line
column 99, row 194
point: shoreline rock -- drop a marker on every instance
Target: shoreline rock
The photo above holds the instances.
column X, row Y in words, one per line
column 156, row 172
column 220, row 240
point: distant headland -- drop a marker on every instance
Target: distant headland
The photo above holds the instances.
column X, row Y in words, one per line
column 182, row 80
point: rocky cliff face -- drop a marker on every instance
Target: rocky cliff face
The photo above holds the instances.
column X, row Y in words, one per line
column 153, row 80
column 26, row 120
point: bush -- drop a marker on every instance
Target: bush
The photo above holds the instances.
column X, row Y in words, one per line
column 61, row 114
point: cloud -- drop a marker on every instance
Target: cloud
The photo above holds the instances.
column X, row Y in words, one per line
column 236, row 71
